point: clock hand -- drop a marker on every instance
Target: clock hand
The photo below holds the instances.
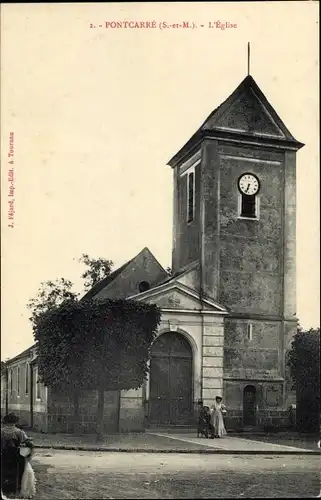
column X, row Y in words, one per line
column 248, row 187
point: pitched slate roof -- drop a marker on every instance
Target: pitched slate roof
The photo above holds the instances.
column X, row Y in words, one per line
column 109, row 279
column 103, row 283
column 208, row 126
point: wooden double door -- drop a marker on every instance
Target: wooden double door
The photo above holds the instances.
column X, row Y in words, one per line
column 171, row 380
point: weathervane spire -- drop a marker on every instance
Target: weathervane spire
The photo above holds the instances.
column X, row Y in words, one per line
column 248, row 57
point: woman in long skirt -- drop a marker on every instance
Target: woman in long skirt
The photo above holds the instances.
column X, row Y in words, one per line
column 12, row 462
column 217, row 421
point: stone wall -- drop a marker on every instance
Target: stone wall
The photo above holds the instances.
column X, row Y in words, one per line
column 266, row 420
column 255, row 357
column 210, row 200
column 270, row 410
column 251, row 251
column 132, row 414
column 212, row 360
column 60, row 412
column 186, row 235
column 289, row 252
column 123, row 412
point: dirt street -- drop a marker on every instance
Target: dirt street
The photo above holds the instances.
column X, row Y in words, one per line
column 93, row 475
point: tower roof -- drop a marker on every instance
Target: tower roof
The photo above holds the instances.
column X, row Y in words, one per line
column 245, row 115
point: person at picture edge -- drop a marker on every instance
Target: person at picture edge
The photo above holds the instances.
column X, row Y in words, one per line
column 12, row 462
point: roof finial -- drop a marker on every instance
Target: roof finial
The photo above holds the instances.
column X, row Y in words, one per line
column 248, row 57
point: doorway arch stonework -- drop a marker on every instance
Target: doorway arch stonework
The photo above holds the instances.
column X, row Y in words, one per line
column 171, row 380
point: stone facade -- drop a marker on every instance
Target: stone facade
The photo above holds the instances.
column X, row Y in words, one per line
column 22, row 392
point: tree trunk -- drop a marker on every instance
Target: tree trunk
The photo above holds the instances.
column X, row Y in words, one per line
column 100, row 416
column 76, row 415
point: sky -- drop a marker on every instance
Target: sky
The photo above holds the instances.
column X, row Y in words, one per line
column 97, row 113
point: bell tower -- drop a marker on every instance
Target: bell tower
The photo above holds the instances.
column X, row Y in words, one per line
column 235, row 215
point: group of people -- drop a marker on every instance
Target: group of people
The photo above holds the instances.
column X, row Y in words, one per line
column 211, row 420
column 17, row 476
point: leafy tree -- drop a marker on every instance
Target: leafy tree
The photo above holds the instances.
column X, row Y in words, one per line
column 91, row 345
column 96, row 270
column 53, row 293
column 84, row 345
column 304, row 363
column 50, row 295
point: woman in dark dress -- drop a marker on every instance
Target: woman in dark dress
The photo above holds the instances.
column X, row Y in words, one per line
column 12, row 463
column 203, row 426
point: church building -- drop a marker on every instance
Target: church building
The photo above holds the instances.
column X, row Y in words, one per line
column 229, row 306
column 229, row 311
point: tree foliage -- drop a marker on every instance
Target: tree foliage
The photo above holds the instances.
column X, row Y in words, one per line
column 54, row 293
column 91, row 345
column 50, row 295
column 304, row 357
column 304, row 363
column 96, row 270
column 96, row 345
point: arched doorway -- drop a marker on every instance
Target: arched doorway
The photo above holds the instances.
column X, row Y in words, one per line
column 249, row 405
column 171, row 378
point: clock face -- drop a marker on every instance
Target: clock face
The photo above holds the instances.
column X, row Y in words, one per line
column 249, row 184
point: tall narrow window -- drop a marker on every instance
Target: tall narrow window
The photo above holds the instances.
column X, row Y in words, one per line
column 250, row 331
column 38, row 394
column 190, row 196
column 27, row 379
column 18, row 380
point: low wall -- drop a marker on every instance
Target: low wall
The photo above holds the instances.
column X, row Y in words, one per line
column 61, row 412
column 264, row 419
column 40, row 422
column 131, row 413
column 123, row 412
